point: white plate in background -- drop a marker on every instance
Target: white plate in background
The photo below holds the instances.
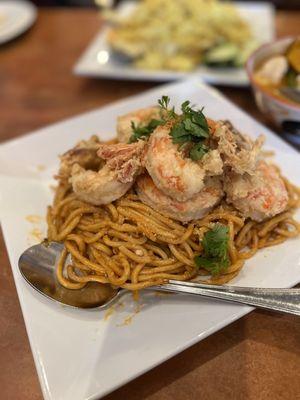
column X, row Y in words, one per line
column 80, row 355
column 16, row 17
column 99, row 61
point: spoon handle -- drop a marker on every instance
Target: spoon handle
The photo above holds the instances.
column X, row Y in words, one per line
column 283, row 300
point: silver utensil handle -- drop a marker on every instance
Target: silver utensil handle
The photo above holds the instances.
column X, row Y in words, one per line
column 284, row 300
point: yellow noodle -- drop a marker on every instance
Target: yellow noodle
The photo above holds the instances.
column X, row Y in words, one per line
column 172, row 267
column 180, row 256
column 90, row 238
column 157, row 250
column 59, row 273
column 113, row 211
column 188, row 250
column 86, row 278
column 231, row 245
column 102, row 247
column 134, row 257
column 66, row 229
column 79, row 241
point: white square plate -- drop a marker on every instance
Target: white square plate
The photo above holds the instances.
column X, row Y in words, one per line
column 81, row 354
column 99, row 60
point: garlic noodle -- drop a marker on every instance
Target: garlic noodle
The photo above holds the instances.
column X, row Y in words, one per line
column 130, row 245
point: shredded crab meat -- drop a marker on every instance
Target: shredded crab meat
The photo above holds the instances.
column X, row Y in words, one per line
column 238, row 151
column 125, row 159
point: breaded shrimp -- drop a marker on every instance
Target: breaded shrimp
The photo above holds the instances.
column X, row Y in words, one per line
column 97, row 187
column 84, row 154
column 139, row 117
column 123, row 164
column 212, row 163
column 258, row 196
column 194, row 208
column 175, row 175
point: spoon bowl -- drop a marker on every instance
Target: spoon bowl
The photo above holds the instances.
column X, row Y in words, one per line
column 37, row 266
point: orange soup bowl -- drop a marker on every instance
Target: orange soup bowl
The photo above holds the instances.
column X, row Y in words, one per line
column 280, row 111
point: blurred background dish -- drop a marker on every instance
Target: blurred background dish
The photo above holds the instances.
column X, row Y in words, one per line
column 16, row 16
column 179, row 36
column 274, row 73
column 280, row 4
column 220, row 38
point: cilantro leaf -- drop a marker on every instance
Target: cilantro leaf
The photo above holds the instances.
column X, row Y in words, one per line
column 178, row 131
column 182, row 139
column 215, row 258
column 215, row 241
column 212, row 265
column 198, row 151
column 191, row 127
column 164, row 102
column 185, row 106
column 196, row 116
column 199, row 118
column 141, row 132
column 166, row 112
column 194, row 128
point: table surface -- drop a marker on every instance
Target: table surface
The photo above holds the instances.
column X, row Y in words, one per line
column 257, row 357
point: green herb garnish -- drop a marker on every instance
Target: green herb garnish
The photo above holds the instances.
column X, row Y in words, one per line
column 190, row 127
column 164, row 102
column 215, row 257
column 167, row 113
column 198, row 151
column 142, row 132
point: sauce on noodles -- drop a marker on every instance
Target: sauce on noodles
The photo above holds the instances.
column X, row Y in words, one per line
column 128, row 244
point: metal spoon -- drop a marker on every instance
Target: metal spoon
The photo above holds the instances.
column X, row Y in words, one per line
column 37, row 266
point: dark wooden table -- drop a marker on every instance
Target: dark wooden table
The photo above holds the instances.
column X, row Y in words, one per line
column 257, row 357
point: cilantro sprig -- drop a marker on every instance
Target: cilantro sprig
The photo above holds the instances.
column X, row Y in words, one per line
column 215, row 258
column 142, row 132
column 164, row 102
column 190, row 129
column 167, row 113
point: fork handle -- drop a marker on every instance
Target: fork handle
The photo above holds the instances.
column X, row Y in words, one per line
column 283, row 300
